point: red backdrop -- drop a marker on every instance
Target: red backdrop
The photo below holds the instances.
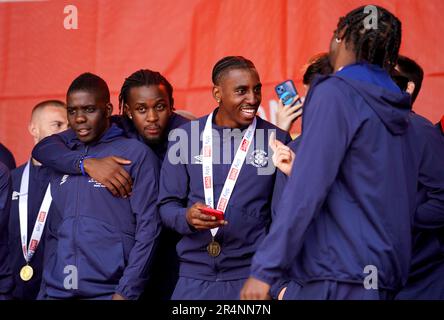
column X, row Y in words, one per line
column 183, row 39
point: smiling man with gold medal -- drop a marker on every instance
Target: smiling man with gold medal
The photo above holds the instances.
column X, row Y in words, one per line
column 216, row 192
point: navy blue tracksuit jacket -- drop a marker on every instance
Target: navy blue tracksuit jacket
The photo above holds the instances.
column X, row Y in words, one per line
column 248, row 212
column 110, row 241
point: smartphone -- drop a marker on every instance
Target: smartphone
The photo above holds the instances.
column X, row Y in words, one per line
column 213, row 212
column 286, row 91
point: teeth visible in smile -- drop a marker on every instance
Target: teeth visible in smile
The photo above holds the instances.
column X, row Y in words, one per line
column 249, row 111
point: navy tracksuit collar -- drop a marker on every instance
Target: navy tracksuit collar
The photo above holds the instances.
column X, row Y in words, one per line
column 110, row 134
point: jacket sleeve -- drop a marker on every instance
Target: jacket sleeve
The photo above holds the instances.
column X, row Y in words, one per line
column 53, row 152
column 6, row 278
column 430, row 212
column 143, row 204
column 329, row 124
column 50, row 237
column 173, row 195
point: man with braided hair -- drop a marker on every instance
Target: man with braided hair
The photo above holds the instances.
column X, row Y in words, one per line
column 343, row 225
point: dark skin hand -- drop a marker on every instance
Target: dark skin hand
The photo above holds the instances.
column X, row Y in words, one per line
column 109, row 171
column 201, row 221
column 255, row 289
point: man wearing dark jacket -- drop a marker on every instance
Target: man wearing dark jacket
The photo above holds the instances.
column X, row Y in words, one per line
column 147, row 106
column 343, row 224
column 30, row 204
column 224, row 172
column 426, row 281
column 99, row 246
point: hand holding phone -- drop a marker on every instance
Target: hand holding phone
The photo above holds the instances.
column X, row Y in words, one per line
column 286, row 91
column 213, row 212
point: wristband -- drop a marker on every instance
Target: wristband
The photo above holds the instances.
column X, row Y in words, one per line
column 81, row 165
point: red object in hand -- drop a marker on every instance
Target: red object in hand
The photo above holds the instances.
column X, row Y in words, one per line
column 213, row 212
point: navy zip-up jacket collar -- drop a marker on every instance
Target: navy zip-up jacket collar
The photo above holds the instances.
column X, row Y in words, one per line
column 112, row 133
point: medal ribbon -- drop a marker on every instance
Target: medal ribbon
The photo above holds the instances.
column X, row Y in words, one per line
column 39, row 225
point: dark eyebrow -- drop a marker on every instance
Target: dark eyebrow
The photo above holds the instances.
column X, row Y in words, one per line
column 81, row 107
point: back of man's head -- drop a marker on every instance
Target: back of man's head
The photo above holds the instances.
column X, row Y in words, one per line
column 411, row 70
column 317, row 65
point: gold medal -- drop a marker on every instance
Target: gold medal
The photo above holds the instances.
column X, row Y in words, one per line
column 26, row 273
column 213, row 248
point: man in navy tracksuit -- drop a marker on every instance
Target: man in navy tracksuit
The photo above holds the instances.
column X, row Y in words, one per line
column 216, row 266
column 99, row 246
column 48, row 117
column 6, row 278
column 146, row 100
column 425, row 276
column 343, row 224
column 426, row 279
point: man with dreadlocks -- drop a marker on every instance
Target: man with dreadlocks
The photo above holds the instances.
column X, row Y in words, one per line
column 343, row 225
column 146, row 100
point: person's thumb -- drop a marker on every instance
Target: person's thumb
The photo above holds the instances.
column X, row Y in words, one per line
column 120, row 160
